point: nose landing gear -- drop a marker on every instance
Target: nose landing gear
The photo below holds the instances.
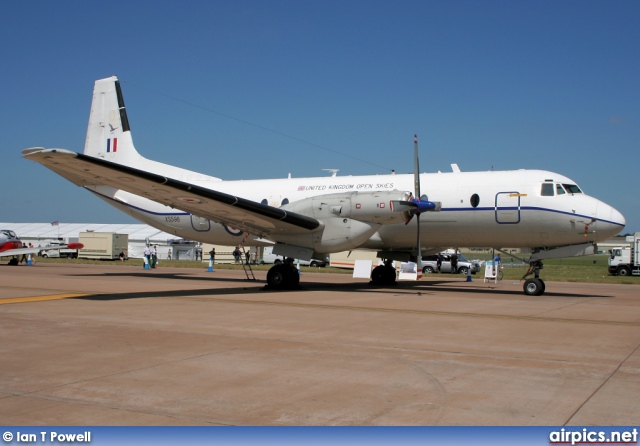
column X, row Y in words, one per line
column 534, row 286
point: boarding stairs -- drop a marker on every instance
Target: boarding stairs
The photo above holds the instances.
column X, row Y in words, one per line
column 245, row 261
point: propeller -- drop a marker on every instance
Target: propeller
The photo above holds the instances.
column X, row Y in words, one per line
column 414, row 205
column 419, row 203
column 417, row 200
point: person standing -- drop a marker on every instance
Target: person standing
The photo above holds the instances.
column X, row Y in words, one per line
column 212, row 258
column 24, row 256
column 147, row 255
column 454, row 263
column 236, row 255
column 439, row 262
column 154, row 256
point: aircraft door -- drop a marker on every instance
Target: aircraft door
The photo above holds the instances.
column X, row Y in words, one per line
column 200, row 224
column 508, row 208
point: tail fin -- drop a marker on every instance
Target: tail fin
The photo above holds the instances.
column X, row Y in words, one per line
column 108, row 134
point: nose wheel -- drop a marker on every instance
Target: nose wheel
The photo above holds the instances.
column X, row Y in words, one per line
column 534, row 286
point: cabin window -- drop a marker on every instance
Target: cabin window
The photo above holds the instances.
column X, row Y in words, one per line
column 475, row 200
column 572, row 188
column 264, row 201
column 285, row 201
column 546, row 190
column 559, row 189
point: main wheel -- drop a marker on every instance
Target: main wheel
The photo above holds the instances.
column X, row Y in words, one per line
column 282, row 277
column 383, row 275
column 533, row 287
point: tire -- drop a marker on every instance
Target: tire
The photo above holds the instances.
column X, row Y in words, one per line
column 533, row 287
column 277, row 262
column 283, row 277
column 383, row 276
column 428, row 270
column 623, row 271
column 44, row 255
column 314, row 264
column 462, row 270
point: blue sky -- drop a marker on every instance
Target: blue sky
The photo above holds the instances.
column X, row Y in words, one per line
column 260, row 89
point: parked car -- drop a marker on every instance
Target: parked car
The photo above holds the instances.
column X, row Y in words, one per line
column 269, row 257
column 430, row 264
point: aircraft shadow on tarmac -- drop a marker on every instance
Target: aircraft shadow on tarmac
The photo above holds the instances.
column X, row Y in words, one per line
column 423, row 287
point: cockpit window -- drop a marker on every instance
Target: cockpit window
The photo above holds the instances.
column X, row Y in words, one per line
column 546, row 190
column 559, row 189
column 572, row 188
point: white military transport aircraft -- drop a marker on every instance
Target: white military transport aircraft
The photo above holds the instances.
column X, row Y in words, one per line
column 309, row 217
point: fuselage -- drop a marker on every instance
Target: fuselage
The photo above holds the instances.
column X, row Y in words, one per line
column 9, row 240
column 522, row 208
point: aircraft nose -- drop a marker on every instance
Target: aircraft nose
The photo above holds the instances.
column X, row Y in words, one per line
column 612, row 221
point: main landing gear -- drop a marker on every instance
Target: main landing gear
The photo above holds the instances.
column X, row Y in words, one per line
column 384, row 275
column 534, row 286
column 283, row 276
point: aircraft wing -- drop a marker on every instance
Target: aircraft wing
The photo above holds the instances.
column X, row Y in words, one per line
column 240, row 213
column 19, row 251
column 36, row 250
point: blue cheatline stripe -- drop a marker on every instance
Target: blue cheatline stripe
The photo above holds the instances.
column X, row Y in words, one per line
column 529, row 208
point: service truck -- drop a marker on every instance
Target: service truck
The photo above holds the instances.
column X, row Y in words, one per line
column 58, row 252
column 104, row 245
column 624, row 261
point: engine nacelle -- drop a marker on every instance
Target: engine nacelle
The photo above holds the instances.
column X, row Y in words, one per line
column 336, row 234
column 374, row 207
column 348, row 218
